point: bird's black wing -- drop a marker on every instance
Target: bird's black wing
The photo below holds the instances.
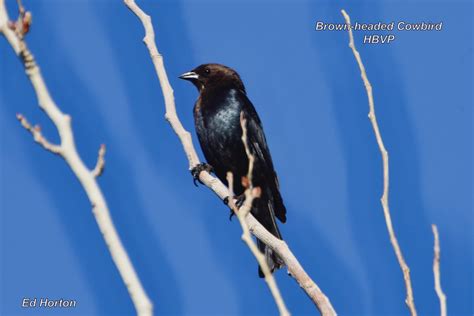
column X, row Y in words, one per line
column 263, row 160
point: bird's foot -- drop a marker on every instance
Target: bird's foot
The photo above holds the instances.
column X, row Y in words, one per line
column 239, row 200
column 196, row 171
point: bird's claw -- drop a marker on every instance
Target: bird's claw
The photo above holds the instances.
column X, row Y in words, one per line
column 239, row 200
column 196, row 171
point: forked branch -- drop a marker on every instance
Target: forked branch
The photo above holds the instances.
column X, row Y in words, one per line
column 14, row 32
column 252, row 193
column 255, row 228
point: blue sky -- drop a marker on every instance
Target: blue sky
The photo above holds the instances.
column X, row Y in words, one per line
column 307, row 89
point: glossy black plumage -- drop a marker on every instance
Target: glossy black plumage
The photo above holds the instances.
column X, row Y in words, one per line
column 217, row 112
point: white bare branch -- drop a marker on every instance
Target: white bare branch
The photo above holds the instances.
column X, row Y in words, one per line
column 384, row 200
column 255, row 228
column 252, row 193
column 6, row 30
column 100, row 165
column 67, row 150
column 437, row 273
column 38, row 136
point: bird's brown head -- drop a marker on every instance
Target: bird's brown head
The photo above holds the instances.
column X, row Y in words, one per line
column 213, row 75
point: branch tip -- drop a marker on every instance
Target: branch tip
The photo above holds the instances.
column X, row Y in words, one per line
column 100, row 164
column 35, row 131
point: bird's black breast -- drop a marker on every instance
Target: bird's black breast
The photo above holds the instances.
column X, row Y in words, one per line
column 217, row 119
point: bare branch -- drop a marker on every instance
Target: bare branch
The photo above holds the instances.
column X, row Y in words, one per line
column 384, row 200
column 255, row 228
column 38, row 136
column 6, row 30
column 68, row 151
column 100, row 165
column 436, row 272
column 20, row 5
column 157, row 59
column 252, row 193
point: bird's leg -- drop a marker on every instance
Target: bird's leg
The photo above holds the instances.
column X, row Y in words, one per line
column 196, row 171
column 239, row 200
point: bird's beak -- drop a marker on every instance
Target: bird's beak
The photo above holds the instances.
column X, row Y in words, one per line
column 190, row 75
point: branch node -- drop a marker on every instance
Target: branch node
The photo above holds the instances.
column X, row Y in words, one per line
column 22, row 24
column 38, row 136
column 241, row 215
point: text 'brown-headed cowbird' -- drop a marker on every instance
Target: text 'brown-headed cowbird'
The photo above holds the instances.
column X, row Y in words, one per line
column 222, row 99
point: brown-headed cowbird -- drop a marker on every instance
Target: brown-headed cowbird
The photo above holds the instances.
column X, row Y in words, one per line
column 222, row 99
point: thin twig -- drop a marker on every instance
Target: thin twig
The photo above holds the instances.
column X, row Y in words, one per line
column 437, row 274
column 67, row 150
column 38, row 136
column 279, row 246
column 384, row 200
column 20, row 5
column 252, row 193
column 100, row 165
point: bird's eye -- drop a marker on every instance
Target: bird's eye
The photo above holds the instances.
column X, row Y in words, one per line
column 207, row 71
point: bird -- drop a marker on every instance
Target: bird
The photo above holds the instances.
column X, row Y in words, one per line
column 221, row 102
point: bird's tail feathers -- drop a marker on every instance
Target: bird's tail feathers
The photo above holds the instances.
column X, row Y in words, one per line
column 274, row 262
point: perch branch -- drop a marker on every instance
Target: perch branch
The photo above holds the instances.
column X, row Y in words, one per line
column 384, row 200
column 252, row 193
column 255, row 228
column 67, row 150
column 436, row 272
